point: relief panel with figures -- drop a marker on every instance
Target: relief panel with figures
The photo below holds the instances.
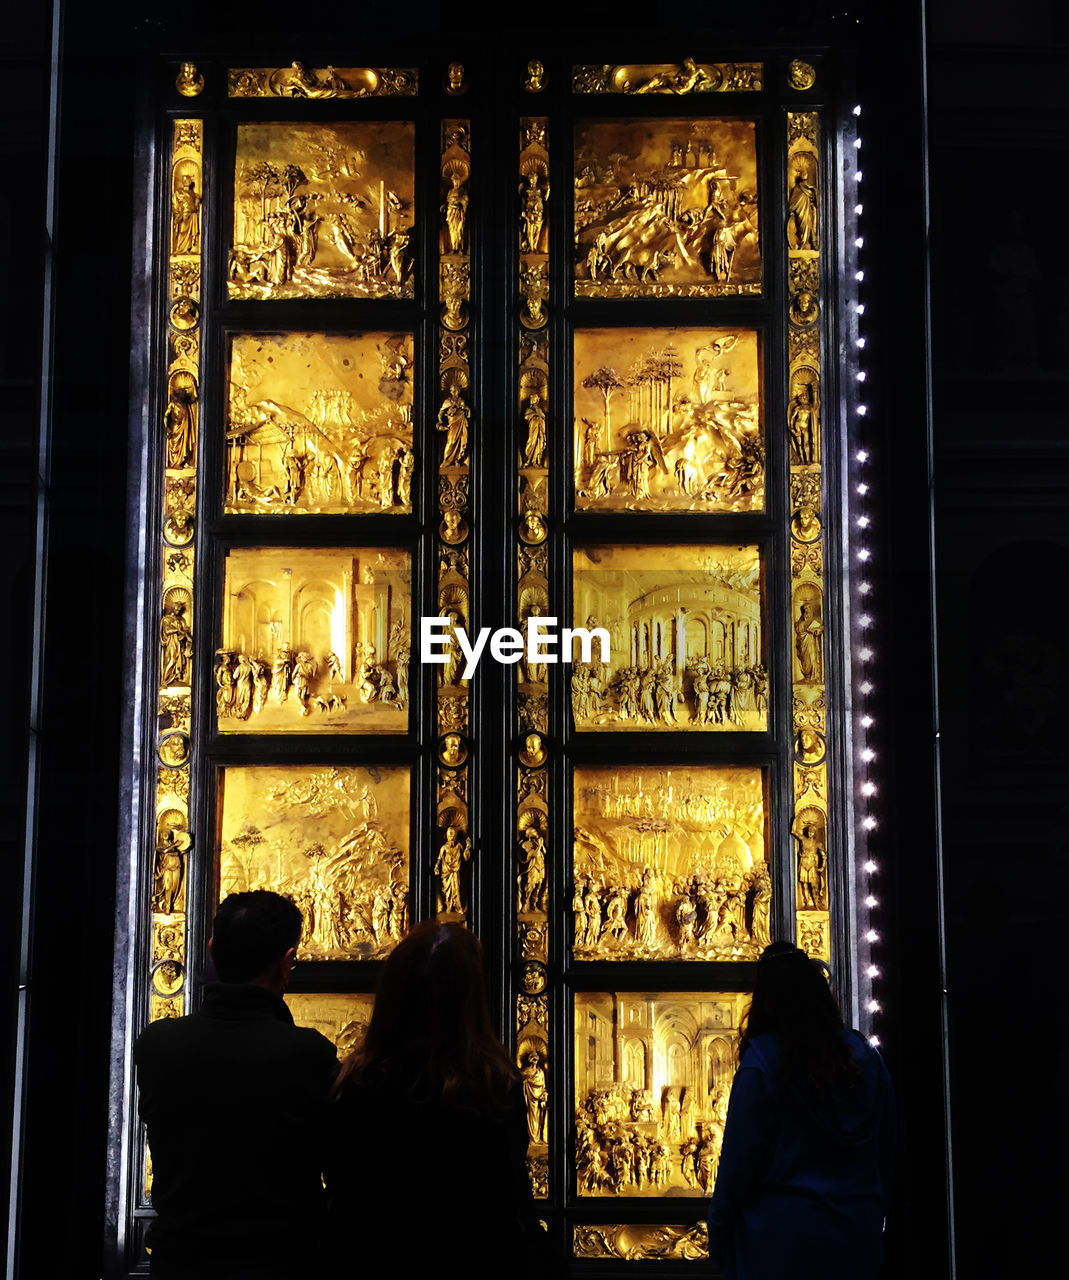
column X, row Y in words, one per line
column 652, row 1077
column 342, row 1018
column 668, row 420
column 320, row 422
column 686, row 642
column 323, row 211
column 314, row 641
column 670, row 864
column 666, row 208
column 335, row 839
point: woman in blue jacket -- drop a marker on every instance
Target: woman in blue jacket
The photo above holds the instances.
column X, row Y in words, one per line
column 804, row 1174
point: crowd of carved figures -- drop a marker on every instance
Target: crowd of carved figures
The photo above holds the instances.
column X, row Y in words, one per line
column 627, row 1141
column 653, row 916
column 655, row 693
column 244, row 683
column 322, row 212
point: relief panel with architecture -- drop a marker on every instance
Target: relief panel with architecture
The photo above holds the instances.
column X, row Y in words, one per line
column 320, row 422
column 315, row 640
column 652, row 1078
column 686, row 642
column 670, row 864
column 666, row 208
column 323, row 211
column 668, row 420
column 334, row 839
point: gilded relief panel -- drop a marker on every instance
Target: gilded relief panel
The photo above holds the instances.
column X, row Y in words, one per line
column 685, row 642
column 641, row 1241
column 323, row 211
column 299, row 81
column 670, row 864
column 334, row 839
column 668, row 420
column 315, row 640
column 675, row 78
column 320, row 422
column 666, row 208
column 653, row 1074
column 342, row 1017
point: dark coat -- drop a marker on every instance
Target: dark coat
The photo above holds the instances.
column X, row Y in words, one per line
column 804, row 1174
column 429, row 1187
column 234, row 1099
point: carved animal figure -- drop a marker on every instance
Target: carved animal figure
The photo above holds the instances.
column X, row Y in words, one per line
column 640, row 264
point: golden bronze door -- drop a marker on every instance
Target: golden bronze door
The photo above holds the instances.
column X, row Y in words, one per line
column 528, row 344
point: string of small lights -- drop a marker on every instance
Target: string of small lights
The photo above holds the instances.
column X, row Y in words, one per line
column 863, row 654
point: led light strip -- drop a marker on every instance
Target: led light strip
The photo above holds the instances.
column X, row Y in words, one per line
column 865, row 787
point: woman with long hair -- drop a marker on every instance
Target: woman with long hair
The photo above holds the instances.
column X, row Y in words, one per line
column 804, row 1174
column 426, row 1170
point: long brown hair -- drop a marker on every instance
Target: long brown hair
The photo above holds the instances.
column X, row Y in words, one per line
column 430, row 1030
column 792, row 1000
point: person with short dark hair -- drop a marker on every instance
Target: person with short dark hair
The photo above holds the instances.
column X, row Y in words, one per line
column 426, row 1172
column 805, row 1166
column 234, row 1099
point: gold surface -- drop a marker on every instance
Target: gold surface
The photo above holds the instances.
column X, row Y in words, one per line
column 666, row 208
column 334, row 839
column 686, row 640
column 342, row 1017
column 532, row 438
column 670, row 864
column 676, row 78
column 809, row 826
column 652, row 1077
column 668, row 420
column 320, row 422
column 640, row 1241
column 323, row 211
column 315, row 640
column 299, row 81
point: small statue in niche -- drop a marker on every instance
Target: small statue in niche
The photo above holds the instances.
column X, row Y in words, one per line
column 533, row 215
column 802, row 216
column 533, row 871
column 453, row 419
column 456, row 209
column 454, row 79
column 535, row 1095
column 534, row 452
column 809, row 644
column 451, row 856
column 171, row 847
column 534, row 82
column 802, row 424
column 812, row 867
column 177, row 645
column 185, row 216
column 180, row 420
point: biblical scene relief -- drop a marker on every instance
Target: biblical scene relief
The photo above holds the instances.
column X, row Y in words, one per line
column 342, row 1018
column 685, row 641
column 320, row 423
column 638, row 1241
column 668, row 420
column 323, row 211
column 666, row 208
column 315, row 640
column 652, row 1079
column 334, row 839
column 669, row 864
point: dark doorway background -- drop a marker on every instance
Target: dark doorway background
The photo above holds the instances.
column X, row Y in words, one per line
column 998, row 126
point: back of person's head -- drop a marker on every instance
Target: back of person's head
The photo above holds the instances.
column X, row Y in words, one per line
column 251, row 933
column 793, row 1001
column 430, row 1029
